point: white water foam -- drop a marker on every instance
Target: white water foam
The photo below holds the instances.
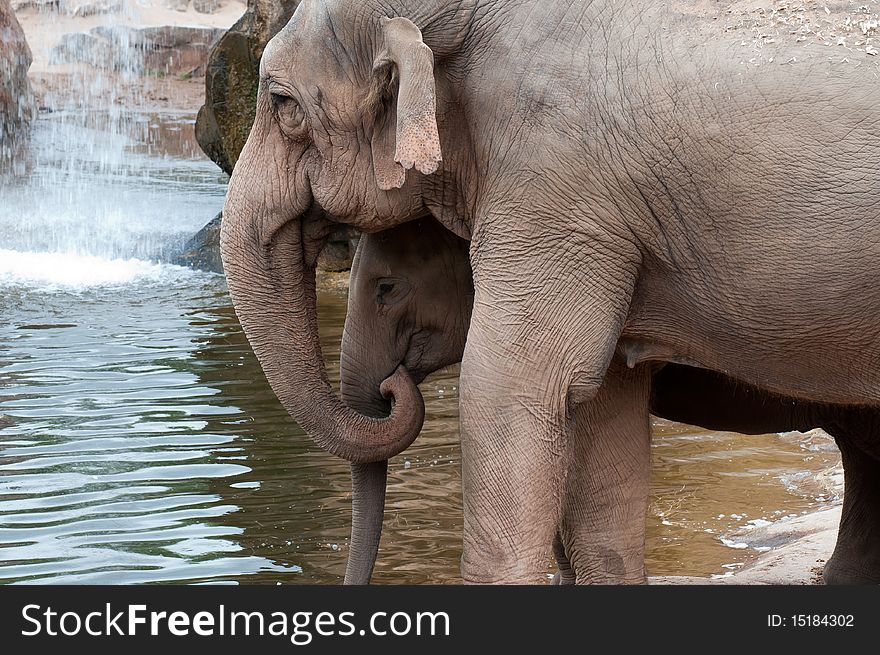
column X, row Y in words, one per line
column 69, row 271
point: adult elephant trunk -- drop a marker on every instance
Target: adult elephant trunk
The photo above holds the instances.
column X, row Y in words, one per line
column 268, row 255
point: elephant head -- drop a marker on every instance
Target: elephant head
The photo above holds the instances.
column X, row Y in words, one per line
column 409, row 305
column 347, row 105
column 410, row 298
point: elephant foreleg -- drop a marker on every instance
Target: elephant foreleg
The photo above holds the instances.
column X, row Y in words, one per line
column 531, row 355
column 856, row 558
column 603, row 527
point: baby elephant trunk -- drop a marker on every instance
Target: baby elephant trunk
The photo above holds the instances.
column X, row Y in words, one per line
column 368, row 485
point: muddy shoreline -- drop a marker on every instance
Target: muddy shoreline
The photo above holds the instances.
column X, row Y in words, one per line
column 793, row 550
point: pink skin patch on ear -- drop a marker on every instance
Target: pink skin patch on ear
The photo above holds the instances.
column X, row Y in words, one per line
column 418, row 143
column 390, row 179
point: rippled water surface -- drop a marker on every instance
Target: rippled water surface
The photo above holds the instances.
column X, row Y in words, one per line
column 139, row 441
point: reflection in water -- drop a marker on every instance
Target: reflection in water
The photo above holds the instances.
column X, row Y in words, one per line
column 139, row 441
column 107, row 462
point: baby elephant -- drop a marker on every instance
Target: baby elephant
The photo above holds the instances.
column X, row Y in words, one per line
column 410, row 300
column 410, row 303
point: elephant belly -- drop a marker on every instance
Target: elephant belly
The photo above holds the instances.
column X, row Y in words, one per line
column 810, row 346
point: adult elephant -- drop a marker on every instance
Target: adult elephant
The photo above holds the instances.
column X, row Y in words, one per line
column 622, row 178
column 410, row 300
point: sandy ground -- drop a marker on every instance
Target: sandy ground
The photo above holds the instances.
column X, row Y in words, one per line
column 793, row 550
column 843, row 33
column 798, row 550
column 55, row 84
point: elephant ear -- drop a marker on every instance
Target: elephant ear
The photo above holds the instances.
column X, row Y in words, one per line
column 408, row 137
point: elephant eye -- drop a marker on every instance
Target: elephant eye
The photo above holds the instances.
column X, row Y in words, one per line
column 289, row 114
column 279, row 100
column 389, row 291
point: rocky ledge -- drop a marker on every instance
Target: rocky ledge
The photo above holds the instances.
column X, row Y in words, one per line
column 16, row 97
column 83, row 8
column 149, row 50
column 792, row 551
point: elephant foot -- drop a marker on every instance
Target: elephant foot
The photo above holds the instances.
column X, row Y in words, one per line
column 846, row 569
column 856, row 558
column 605, row 578
column 563, row 579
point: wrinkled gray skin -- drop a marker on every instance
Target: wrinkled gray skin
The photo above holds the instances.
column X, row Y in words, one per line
column 410, row 301
column 625, row 186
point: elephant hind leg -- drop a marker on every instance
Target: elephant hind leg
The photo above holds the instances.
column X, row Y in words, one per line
column 856, row 558
column 603, row 526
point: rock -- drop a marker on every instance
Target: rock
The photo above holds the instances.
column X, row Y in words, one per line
column 40, row 5
column 177, row 5
column 77, row 8
column 337, row 254
column 207, row 6
column 162, row 50
column 796, row 551
column 225, row 120
column 84, row 48
column 177, row 36
column 203, row 250
column 17, row 106
column 84, row 8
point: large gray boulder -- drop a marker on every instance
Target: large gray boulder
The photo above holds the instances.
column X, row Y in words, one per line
column 77, row 8
column 17, row 107
column 202, row 251
column 231, row 79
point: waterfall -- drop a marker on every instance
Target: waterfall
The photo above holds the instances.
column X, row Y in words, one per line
column 110, row 179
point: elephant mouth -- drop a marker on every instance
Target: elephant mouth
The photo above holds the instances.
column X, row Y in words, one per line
column 378, row 406
column 415, row 354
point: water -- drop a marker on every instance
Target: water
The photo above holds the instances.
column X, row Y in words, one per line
column 139, row 441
